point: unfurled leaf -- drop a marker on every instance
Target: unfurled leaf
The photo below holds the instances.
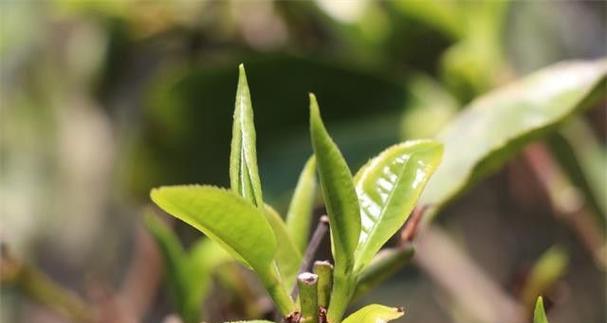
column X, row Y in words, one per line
column 288, row 257
column 388, row 187
column 338, row 192
column 492, row 128
column 539, row 315
column 244, row 173
column 224, row 217
column 375, row 314
column 302, row 203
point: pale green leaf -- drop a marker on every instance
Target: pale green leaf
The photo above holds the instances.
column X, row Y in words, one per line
column 375, row 314
column 498, row 124
column 338, row 192
column 224, row 217
column 545, row 272
column 388, row 187
column 244, row 173
column 288, row 257
column 174, row 261
column 204, row 257
column 539, row 315
column 189, row 274
column 299, row 215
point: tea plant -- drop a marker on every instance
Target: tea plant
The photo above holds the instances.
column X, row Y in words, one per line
column 367, row 209
column 364, row 212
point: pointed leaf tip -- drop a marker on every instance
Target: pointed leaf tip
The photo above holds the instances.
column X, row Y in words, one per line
column 539, row 315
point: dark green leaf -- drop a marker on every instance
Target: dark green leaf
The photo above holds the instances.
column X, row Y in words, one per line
column 388, row 188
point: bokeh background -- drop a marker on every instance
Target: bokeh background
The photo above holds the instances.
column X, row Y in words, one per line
column 103, row 100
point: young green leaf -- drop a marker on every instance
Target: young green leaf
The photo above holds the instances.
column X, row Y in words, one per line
column 244, row 173
column 189, row 274
column 496, row 125
column 375, row 314
column 539, row 315
column 224, row 217
column 299, row 215
column 228, row 219
column 388, row 187
column 203, row 259
column 338, row 192
column 551, row 266
column 288, row 257
column 174, row 261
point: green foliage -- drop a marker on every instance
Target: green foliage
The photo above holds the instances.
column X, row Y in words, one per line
column 375, row 314
column 539, row 315
column 189, row 274
column 495, row 126
column 388, row 187
column 224, row 217
column 288, row 257
column 244, row 175
column 545, row 272
column 299, row 216
column 338, row 192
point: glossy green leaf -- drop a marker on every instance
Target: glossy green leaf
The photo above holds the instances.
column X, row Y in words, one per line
column 495, row 126
column 338, row 192
column 288, row 257
column 299, row 215
column 375, row 314
column 224, row 217
column 244, row 173
column 539, row 315
column 388, row 188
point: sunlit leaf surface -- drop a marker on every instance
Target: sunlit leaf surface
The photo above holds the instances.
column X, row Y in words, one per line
column 224, row 217
column 375, row 314
column 338, row 192
column 388, row 188
column 539, row 315
column 496, row 125
column 244, row 173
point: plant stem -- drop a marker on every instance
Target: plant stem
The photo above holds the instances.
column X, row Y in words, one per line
column 308, row 297
column 343, row 288
column 277, row 291
column 317, row 236
column 38, row 286
column 324, row 270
